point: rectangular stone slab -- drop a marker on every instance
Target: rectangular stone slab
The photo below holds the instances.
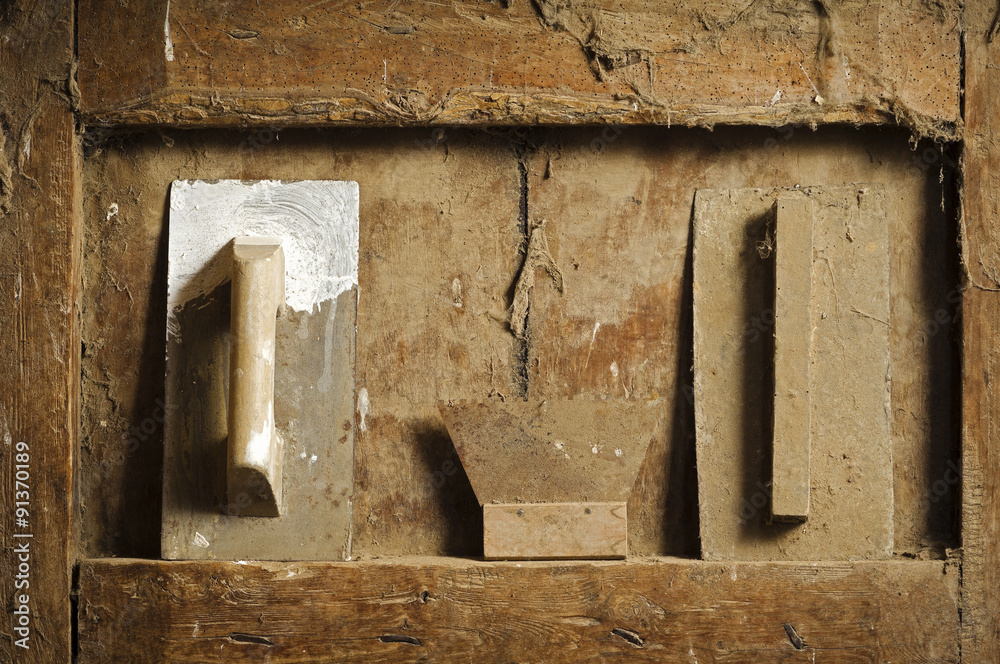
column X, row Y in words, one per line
column 314, row 369
column 555, row 530
column 850, row 512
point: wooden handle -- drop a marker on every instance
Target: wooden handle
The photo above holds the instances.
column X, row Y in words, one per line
column 792, row 358
column 255, row 452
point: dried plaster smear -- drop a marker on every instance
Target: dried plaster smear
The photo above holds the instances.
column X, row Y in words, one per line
column 315, row 220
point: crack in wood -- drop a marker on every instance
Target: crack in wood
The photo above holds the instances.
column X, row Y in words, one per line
column 400, row 638
column 239, row 637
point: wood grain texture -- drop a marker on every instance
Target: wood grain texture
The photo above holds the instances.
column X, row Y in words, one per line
column 195, row 62
column 39, row 335
column 980, row 309
column 449, row 610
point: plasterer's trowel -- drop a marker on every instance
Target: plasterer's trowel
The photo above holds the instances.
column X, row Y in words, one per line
column 261, row 330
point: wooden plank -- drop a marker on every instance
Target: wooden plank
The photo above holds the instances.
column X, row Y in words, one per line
column 850, row 516
column 792, row 357
column 440, row 609
column 197, row 62
column 555, row 530
column 980, row 309
column 40, row 234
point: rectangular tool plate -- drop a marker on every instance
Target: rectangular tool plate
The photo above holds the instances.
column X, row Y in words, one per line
column 851, row 501
column 314, row 384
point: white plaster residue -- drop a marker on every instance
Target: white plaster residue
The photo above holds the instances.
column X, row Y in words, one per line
column 614, row 369
column 313, row 459
column 112, row 212
column 363, row 406
column 267, row 352
column 618, row 452
column 595, row 449
column 168, row 48
column 302, row 456
column 560, row 445
column 846, row 64
column 26, row 150
column 456, row 292
column 197, row 628
column 776, row 98
column 258, row 452
column 316, row 220
column 199, row 540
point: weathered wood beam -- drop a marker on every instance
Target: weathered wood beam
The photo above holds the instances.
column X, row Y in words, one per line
column 192, row 62
column 451, row 610
column 40, row 234
column 980, row 478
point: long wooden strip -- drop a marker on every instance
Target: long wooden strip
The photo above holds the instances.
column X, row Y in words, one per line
column 40, row 234
column 792, row 355
column 450, row 610
column 980, row 476
column 384, row 62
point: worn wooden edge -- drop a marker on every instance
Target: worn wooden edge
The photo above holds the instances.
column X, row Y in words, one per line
column 446, row 609
column 40, row 361
column 208, row 108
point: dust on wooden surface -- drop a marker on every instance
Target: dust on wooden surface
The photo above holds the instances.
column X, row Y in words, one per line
column 444, row 219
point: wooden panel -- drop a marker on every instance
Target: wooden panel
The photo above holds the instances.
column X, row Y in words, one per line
column 980, row 309
column 439, row 228
column 670, row 62
column 618, row 208
column 448, row 610
column 632, row 277
column 40, row 349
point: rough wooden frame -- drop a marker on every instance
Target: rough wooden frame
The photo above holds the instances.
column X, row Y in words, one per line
column 39, row 281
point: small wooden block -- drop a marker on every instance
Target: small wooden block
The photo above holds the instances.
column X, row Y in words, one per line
column 792, row 357
column 554, row 530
